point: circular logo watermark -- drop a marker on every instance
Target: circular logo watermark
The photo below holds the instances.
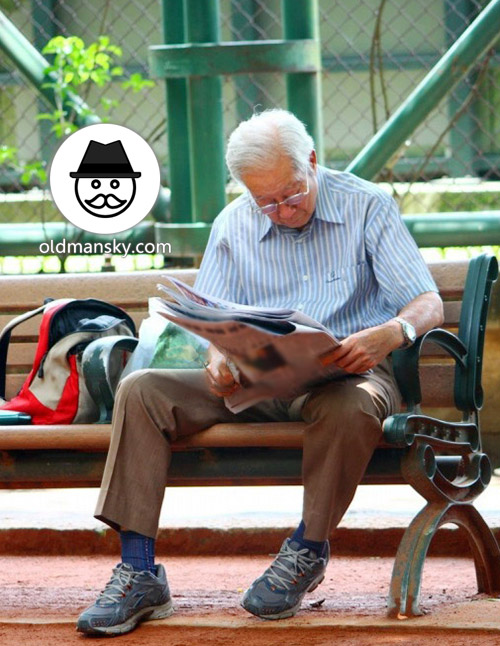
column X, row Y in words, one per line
column 104, row 178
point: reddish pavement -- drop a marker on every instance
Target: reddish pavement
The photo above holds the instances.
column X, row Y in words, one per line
column 42, row 596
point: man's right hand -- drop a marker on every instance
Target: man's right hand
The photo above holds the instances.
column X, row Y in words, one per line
column 220, row 378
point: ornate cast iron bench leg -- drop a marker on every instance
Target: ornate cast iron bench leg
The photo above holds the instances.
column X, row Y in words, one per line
column 449, row 501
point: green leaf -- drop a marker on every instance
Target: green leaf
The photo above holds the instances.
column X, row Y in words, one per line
column 34, row 170
column 8, row 154
column 114, row 49
column 45, row 116
column 108, row 104
column 102, row 59
column 54, row 45
column 74, row 42
column 86, row 112
column 136, row 82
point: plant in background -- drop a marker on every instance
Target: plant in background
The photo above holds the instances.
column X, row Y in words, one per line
column 77, row 66
column 28, row 172
column 74, row 70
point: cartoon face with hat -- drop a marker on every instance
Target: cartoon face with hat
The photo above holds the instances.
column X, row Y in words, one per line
column 105, row 181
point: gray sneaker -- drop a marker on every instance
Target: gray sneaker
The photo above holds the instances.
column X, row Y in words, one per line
column 128, row 598
column 278, row 593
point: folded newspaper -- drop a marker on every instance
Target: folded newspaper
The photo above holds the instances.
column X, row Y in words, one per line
column 273, row 353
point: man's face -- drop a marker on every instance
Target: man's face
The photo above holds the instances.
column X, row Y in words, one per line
column 105, row 197
column 280, row 183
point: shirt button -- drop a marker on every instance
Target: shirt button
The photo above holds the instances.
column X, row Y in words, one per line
column 305, row 277
column 300, row 306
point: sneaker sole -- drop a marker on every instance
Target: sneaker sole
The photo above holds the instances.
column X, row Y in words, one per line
column 146, row 614
column 290, row 612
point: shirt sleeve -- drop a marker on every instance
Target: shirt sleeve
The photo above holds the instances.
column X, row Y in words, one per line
column 397, row 263
column 217, row 275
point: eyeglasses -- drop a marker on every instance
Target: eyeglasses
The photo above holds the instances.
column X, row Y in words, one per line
column 293, row 201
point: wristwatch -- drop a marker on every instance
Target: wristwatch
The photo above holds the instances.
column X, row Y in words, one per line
column 409, row 332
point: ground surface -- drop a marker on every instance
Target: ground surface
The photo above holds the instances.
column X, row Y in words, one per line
column 42, row 596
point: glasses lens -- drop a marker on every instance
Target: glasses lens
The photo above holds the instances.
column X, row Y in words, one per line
column 293, row 200
column 269, row 209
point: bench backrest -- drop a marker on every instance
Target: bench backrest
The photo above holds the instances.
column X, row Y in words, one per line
column 132, row 290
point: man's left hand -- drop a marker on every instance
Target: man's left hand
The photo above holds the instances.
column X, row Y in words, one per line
column 364, row 350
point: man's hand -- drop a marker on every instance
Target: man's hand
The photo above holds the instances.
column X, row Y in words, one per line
column 220, row 378
column 364, row 350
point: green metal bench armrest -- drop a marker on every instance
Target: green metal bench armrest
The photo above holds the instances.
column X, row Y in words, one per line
column 458, row 438
column 405, row 363
column 97, row 372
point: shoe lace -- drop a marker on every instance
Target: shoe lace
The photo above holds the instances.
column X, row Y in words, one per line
column 288, row 565
column 121, row 580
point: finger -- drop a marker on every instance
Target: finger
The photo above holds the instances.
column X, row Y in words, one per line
column 222, row 392
column 340, row 352
column 218, row 376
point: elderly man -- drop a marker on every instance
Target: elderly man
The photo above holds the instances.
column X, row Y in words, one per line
column 301, row 236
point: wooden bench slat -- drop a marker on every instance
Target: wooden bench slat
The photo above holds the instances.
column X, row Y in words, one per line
column 450, row 277
column 14, row 383
column 95, row 437
column 452, row 310
column 127, row 288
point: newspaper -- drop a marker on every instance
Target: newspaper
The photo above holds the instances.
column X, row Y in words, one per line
column 273, row 353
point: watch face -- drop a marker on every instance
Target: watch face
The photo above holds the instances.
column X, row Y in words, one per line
column 409, row 332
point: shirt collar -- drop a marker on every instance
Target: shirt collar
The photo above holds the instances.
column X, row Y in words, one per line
column 327, row 206
column 326, row 203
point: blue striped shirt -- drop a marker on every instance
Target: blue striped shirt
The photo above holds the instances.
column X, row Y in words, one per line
column 354, row 265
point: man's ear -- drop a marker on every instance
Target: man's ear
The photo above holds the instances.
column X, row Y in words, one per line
column 313, row 160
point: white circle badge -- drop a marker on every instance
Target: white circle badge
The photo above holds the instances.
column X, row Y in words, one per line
column 104, row 178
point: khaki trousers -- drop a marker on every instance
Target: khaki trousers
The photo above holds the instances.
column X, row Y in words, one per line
column 154, row 407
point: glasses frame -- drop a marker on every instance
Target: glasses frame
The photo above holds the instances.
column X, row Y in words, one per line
column 291, row 202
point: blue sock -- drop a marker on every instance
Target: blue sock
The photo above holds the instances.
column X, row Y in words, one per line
column 138, row 551
column 317, row 546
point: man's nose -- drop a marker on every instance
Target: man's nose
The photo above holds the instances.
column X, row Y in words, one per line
column 286, row 209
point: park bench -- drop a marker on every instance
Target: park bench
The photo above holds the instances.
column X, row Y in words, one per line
column 441, row 459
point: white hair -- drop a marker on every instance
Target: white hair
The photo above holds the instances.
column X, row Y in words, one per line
column 260, row 142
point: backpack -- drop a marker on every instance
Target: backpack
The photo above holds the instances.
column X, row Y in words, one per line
column 54, row 391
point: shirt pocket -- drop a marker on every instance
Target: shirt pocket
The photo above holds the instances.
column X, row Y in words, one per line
column 346, row 274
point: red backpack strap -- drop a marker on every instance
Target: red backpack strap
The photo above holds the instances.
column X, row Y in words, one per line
column 6, row 333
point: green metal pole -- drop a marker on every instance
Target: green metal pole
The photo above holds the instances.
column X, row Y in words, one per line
column 472, row 44
column 206, row 132
column 177, row 120
column 301, row 20
column 33, row 65
column 463, row 133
